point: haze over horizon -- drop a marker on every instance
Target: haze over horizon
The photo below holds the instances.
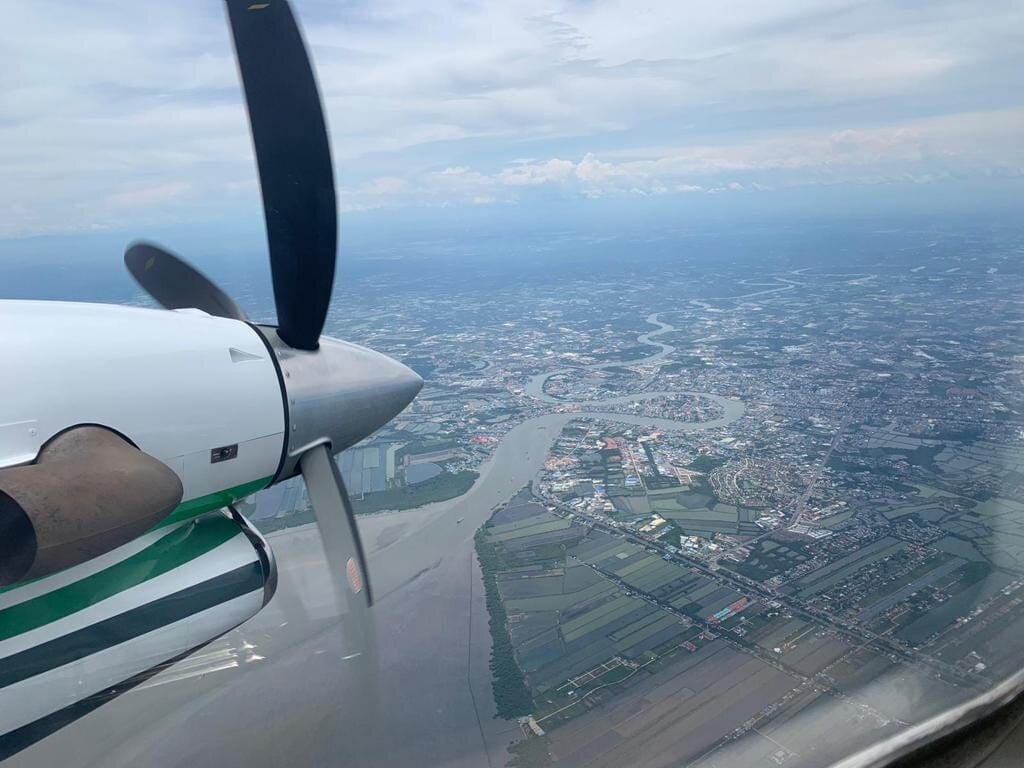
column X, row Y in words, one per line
column 120, row 118
column 667, row 403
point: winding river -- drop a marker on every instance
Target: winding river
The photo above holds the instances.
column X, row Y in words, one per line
column 535, row 386
column 400, row 551
column 285, row 678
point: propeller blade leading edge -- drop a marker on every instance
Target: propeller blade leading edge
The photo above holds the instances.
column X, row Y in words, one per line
column 294, row 160
column 338, row 530
column 175, row 283
column 297, row 183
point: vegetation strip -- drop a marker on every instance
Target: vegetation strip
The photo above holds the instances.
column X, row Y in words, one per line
column 510, row 694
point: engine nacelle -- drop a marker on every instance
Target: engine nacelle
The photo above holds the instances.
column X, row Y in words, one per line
column 88, row 492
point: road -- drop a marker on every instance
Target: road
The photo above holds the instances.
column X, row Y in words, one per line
column 281, row 689
column 849, row 630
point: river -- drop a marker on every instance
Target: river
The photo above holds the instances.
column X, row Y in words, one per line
column 281, row 688
column 517, row 459
column 535, row 386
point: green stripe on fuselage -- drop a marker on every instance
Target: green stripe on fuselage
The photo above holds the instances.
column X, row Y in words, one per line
column 212, row 501
column 176, row 548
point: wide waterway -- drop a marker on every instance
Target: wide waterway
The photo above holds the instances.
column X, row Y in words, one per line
column 397, row 556
column 280, row 689
column 516, row 460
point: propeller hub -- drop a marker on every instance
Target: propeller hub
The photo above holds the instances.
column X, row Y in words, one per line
column 338, row 394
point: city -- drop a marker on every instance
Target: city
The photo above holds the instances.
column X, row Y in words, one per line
column 808, row 481
column 512, row 385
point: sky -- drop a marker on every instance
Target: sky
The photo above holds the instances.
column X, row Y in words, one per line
column 120, row 116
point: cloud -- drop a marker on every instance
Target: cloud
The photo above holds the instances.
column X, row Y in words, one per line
column 532, row 174
column 436, row 103
column 146, row 196
column 919, row 151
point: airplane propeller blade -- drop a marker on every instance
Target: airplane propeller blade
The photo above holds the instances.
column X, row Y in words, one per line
column 175, row 283
column 347, row 566
column 294, row 160
column 338, row 530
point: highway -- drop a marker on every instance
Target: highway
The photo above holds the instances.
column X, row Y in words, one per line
column 858, row 634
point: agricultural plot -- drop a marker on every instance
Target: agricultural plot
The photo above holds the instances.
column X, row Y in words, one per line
column 966, row 527
column 770, row 558
column 564, row 617
column 599, row 548
column 694, row 593
column 930, row 572
column 570, row 592
column 860, row 668
column 995, row 640
column 919, row 626
column 991, row 531
column 839, row 571
column 685, row 708
column 543, row 525
column 960, row 548
column 655, row 576
column 544, row 582
column 781, row 633
column 703, row 598
column 598, row 617
column 931, row 492
column 539, row 651
column 927, row 511
column 719, row 599
column 813, row 651
column 633, row 565
column 699, row 514
column 366, row 470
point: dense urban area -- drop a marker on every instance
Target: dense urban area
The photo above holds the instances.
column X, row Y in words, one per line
column 771, row 488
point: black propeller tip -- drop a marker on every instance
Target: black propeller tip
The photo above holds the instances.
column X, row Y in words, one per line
column 175, row 283
column 293, row 156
